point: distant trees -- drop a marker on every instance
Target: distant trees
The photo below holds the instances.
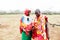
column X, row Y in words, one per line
column 21, row 12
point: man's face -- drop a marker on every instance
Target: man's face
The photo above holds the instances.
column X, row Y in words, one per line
column 37, row 14
column 27, row 14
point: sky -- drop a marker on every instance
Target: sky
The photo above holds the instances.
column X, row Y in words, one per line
column 43, row 5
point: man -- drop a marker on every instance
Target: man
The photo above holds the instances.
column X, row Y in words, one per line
column 39, row 32
column 26, row 26
column 46, row 28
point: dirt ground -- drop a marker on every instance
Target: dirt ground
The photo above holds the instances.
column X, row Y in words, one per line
column 9, row 27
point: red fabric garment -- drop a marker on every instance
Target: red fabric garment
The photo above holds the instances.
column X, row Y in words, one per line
column 34, row 34
column 27, row 29
column 21, row 30
column 39, row 35
column 37, row 32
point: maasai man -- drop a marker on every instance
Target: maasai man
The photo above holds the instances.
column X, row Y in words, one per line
column 39, row 31
column 26, row 26
column 46, row 28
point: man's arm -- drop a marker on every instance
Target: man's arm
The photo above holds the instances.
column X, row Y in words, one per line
column 21, row 26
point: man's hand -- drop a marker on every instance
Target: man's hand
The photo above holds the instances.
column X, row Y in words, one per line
column 21, row 29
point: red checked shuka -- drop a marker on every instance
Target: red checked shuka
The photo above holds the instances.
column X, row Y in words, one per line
column 39, row 31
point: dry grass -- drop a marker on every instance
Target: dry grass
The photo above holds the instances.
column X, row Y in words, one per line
column 9, row 27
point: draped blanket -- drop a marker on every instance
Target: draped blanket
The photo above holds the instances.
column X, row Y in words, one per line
column 26, row 27
column 39, row 32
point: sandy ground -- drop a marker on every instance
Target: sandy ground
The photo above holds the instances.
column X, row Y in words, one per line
column 9, row 27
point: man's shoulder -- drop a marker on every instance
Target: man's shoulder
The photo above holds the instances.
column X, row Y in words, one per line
column 45, row 16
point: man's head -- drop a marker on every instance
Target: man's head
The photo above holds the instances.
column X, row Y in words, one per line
column 27, row 12
column 37, row 12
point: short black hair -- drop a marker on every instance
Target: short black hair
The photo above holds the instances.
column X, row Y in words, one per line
column 37, row 11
